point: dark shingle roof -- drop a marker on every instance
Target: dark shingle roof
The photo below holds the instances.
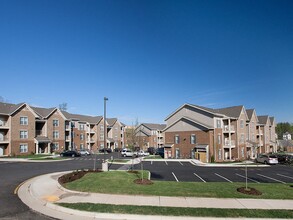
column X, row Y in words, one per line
column 43, row 112
column 7, row 108
column 249, row 113
column 233, row 111
column 84, row 118
column 263, row 119
column 111, row 121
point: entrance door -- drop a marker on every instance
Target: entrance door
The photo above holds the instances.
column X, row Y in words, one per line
column 177, row 153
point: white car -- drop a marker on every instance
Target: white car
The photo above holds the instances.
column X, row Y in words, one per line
column 267, row 159
column 84, row 152
column 126, row 153
column 142, row 153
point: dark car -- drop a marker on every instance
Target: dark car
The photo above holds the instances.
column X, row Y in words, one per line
column 70, row 153
column 285, row 158
column 160, row 151
column 108, row 150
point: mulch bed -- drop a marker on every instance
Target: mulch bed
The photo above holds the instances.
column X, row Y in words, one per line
column 70, row 177
column 249, row 191
column 143, row 181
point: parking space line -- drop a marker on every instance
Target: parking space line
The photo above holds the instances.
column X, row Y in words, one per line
column 199, row 177
column 271, row 178
column 224, row 178
column 166, row 163
column 181, row 163
column 247, row 178
column 151, row 162
column 285, row 176
column 175, row 177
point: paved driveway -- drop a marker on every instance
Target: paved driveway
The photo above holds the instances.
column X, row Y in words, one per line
column 185, row 171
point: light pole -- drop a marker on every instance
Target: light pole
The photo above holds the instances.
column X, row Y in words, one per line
column 105, row 129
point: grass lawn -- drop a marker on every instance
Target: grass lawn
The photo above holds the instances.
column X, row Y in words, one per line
column 119, row 161
column 174, row 211
column 153, row 157
column 118, row 182
column 49, row 158
column 31, row 156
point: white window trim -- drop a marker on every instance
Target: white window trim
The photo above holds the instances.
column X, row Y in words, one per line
column 23, row 122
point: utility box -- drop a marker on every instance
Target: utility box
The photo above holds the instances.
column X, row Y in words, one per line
column 105, row 166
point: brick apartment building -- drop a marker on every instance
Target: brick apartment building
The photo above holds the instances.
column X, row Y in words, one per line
column 149, row 135
column 25, row 129
column 225, row 134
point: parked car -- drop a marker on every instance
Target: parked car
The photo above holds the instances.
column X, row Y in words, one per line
column 160, row 151
column 151, row 150
column 126, row 153
column 141, row 153
column 108, row 150
column 70, row 153
column 84, row 152
column 285, row 158
column 267, row 159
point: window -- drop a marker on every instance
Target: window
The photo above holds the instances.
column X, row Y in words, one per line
column 102, row 128
column 219, row 138
column 23, row 148
column 241, row 123
column 24, row 120
column 176, row 139
column 242, row 138
column 81, row 146
column 55, row 122
column 155, row 139
column 55, row 134
column 81, row 127
column 55, row 146
column 242, row 152
column 218, row 123
column 101, row 137
column 220, row 154
column 192, row 139
column 81, row 137
column 23, row 135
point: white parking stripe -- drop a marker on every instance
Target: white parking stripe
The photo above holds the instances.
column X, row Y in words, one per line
column 166, row 163
column 175, row 177
column 181, row 163
column 271, row 178
column 224, row 178
column 151, row 162
column 199, row 177
column 285, row 176
column 247, row 178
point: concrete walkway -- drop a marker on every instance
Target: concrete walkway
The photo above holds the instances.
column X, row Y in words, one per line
column 43, row 193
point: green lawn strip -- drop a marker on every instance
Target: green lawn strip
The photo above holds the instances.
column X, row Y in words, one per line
column 119, row 161
column 30, row 156
column 176, row 211
column 119, row 182
column 49, row 158
column 153, row 157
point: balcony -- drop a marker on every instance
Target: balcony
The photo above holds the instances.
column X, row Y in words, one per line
column 229, row 144
column 230, row 129
column 91, row 131
column 90, row 140
column 39, row 133
column 259, row 133
column 4, row 125
column 67, row 127
column 4, row 140
column 67, row 138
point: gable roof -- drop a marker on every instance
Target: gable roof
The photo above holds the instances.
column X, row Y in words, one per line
column 190, row 120
column 111, row 121
column 154, row 126
column 43, row 112
column 272, row 120
column 233, row 111
column 8, row 108
column 263, row 119
column 249, row 113
column 82, row 118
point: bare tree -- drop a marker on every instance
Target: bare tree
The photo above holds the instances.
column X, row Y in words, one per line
column 63, row 106
column 1, row 99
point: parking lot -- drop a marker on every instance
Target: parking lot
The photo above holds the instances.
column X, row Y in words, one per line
column 185, row 171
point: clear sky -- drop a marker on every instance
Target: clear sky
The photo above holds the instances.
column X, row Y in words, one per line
column 148, row 57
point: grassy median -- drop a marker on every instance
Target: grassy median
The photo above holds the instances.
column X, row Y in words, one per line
column 174, row 211
column 119, row 182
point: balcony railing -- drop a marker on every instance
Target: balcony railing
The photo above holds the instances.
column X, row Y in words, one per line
column 228, row 143
column 90, row 140
column 91, row 131
column 259, row 133
column 4, row 139
column 229, row 129
column 4, row 124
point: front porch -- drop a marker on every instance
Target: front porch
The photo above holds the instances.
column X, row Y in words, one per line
column 42, row 145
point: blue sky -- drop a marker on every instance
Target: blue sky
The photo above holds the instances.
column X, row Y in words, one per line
column 148, row 57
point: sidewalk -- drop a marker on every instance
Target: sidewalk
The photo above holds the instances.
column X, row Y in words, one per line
column 43, row 193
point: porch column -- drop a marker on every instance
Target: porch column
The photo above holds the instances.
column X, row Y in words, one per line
column 37, row 147
column 230, row 148
column 49, row 148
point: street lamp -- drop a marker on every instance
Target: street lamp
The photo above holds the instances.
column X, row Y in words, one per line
column 105, row 129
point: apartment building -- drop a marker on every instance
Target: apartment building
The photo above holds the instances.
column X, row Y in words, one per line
column 115, row 134
column 25, row 129
column 150, row 135
column 207, row 134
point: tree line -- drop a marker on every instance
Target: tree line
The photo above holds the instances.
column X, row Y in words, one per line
column 284, row 127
